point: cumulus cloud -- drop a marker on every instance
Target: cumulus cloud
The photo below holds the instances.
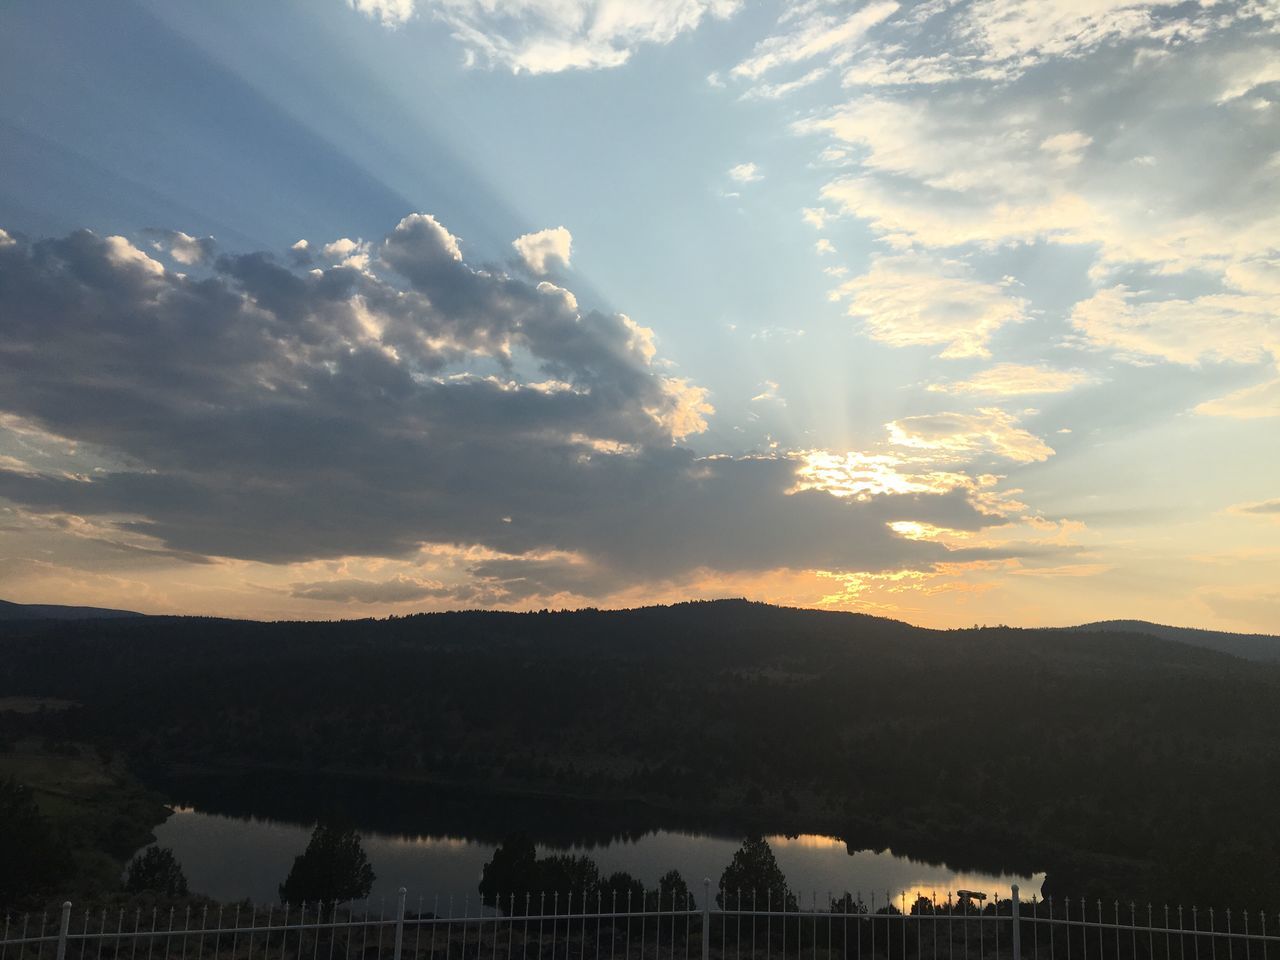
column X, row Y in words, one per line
column 420, row 248
column 685, row 408
column 919, row 301
column 285, row 415
column 550, row 36
column 816, row 217
column 345, row 252
column 184, row 248
column 539, row 249
column 988, row 430
column 745, row 173
column 120, row 253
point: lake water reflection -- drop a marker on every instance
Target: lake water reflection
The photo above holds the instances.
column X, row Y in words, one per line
column 232, row 857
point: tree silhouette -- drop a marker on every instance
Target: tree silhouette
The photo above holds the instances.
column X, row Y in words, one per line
column 511, row 874
column 333, row 868
column 516, row 871
column 622, row 889
column 156, row 870
column 754, row 870
column 674, row 890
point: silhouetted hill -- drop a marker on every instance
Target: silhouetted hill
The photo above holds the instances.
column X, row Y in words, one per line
column 1250, row 646
column 1122, row 762
column 53, row 611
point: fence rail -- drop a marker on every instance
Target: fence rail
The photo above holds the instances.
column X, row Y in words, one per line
column 668, row 925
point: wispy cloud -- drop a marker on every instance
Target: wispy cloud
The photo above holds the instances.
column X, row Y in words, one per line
column 1261, row 508
column 1257, row 402
column 811, row 36
column 1014, row 379
column 552, row 37
column 776, row 91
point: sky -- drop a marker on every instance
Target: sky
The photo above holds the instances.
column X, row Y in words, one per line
column 956, row 311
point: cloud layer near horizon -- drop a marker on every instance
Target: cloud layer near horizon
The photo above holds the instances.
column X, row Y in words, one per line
column 281, row 411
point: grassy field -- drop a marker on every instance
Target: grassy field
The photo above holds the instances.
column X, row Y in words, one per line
column 94, row 802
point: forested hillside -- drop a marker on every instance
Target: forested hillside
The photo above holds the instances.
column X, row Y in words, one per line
column 1250, row 646
column 1121, row 762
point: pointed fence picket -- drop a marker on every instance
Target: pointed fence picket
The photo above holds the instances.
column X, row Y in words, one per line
column 668, row 925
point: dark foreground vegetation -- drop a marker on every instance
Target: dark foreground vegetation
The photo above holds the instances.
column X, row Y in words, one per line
column 561, row 906
column 69, row 818
column 1123, row 764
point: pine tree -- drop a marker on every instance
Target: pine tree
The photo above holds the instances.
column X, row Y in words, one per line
column 333, row 869
column 156, row 870
column 754, row 870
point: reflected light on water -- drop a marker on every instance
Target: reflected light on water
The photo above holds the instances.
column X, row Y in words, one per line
column 808, row 841
column 230, row 858
column 431, row 843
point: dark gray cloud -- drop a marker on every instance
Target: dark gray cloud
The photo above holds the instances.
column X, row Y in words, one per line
column 260, row 412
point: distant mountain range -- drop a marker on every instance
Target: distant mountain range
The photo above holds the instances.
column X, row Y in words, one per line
column 1248, row 646
column 54, row 611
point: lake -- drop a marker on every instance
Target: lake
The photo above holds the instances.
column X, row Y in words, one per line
column 241, row 838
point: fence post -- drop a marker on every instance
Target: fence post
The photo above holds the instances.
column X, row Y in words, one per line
column 400, row 923
column 62, row 930
column 706, row 918
column 1017, row 927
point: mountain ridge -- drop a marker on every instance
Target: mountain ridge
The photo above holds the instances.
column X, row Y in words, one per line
column 1247, row 646
column 1261, row 647
column 56, row 611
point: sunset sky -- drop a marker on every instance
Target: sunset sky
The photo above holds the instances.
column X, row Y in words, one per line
column 957, row 311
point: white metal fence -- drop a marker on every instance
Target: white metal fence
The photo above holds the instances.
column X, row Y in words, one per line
column 665, row 926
